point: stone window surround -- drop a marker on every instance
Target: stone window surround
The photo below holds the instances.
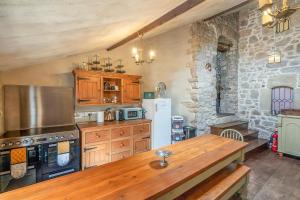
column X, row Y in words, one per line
column 278, row 81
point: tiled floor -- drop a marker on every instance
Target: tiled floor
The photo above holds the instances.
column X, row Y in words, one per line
column 272, row 178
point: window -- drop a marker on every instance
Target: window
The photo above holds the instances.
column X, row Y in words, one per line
column 282, row 98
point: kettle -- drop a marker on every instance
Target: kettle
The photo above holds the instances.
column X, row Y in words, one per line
column 109, row 115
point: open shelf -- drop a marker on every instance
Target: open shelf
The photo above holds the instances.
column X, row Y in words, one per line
column 112, row 91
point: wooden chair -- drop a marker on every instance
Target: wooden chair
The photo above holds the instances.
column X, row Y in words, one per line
column 232, row 134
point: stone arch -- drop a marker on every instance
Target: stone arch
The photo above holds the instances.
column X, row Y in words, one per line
column 203, row 50
column 226, row 82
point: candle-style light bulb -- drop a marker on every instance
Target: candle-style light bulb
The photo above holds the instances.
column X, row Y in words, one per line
column 151, row 54
column 137, row 57
column 134, row 51
column 267, row 19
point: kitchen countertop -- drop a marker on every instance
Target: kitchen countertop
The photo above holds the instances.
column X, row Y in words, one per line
column 138, row 177
column 88, row 125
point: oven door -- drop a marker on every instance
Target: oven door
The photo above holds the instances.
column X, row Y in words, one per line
column 50, row 168
column 7, row 182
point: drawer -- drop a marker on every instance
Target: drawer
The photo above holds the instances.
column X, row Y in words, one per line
column 96, row 136
column 120, row 156
column 141, row 129
column 120, row 146
column 120, row 132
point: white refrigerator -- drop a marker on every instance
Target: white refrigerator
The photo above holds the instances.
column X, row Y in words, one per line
column 159, row 111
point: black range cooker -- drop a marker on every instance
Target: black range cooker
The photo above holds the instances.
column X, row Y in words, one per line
column 42, row 154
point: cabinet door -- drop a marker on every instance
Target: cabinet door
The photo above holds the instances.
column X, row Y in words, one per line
column 88, row 90
column 131, row 91
column 141, row 145
column 291, row 136
column 96, row 155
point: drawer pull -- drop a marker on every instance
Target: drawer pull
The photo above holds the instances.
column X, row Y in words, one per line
column 83, row 100
column 146, row 137
column 122, row 144
column 82, row 78
column 91, row 148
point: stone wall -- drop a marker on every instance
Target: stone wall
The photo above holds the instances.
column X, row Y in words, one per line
column 256, row 77
column 203, row 50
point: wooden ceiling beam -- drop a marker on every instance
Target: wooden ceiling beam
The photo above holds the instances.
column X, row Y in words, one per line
column 229, row 10
column 182, row 8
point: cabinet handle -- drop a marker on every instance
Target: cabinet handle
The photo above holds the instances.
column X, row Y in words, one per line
column 82, row 78
column 91, row 148
column 146, row 137
column 136, row 99
column 83, row 100
column 122, row 144
column 137, row 82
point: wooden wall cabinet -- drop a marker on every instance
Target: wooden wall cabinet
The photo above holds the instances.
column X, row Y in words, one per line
column 106, row 144
column 90, row 88
column 131, row 91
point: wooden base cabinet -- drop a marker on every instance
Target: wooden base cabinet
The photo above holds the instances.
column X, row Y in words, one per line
column 289, row 135
column 96, row 155
column 141, row 145
column 102, row 145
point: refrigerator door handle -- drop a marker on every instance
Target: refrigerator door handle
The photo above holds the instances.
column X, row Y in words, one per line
column 156, row 107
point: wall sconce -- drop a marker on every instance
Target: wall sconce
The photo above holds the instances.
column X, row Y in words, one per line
column 275, row 57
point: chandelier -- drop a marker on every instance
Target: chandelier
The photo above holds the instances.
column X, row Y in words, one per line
column 276, row 14
column 137, row 53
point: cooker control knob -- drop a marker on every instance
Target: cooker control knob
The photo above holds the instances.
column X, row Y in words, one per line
column 18, row 143
column 25, row 141
column 10, row 143
column 31, row 141
column 56, row 137
column 71, row 136
column 62, row 137
column 3, row 145
column 50, row 138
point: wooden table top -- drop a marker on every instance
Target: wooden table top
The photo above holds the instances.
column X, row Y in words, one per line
column 134, row 178
column 94, row 125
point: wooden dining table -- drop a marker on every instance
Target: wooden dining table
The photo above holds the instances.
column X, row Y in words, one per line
column 141, row 177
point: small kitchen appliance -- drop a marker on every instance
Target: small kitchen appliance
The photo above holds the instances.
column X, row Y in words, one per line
column 132, row 113
column 109, row 115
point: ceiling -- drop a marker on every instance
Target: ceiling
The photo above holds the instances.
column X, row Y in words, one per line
column 33, row 32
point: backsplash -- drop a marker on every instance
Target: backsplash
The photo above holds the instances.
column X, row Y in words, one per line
column 85, row 116
column 89, row 114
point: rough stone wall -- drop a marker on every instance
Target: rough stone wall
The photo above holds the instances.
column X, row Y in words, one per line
column 256, row 77
column 203, row 49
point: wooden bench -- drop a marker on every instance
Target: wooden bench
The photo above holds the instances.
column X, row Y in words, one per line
column 222, row 185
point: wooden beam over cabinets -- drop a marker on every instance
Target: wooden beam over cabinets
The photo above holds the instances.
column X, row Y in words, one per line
column 182, row 8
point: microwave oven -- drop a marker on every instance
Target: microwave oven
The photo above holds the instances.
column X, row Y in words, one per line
column 132, row 113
